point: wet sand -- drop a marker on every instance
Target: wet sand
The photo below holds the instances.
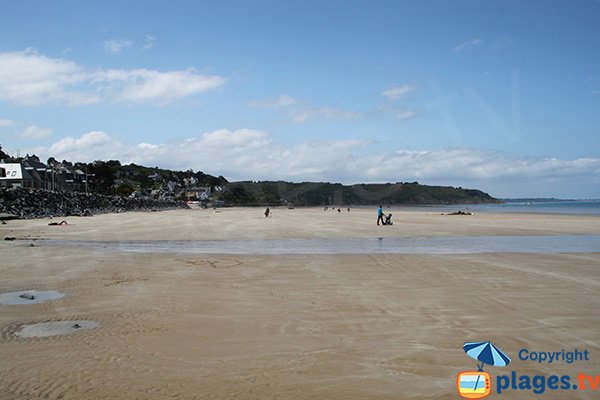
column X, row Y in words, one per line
column 182, row 326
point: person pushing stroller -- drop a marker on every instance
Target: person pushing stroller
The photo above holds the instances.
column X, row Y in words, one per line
column 381, row 215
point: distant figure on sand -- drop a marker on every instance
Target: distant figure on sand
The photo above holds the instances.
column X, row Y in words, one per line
column 380, row 215
column 267, row 212
column 63, row 222
column 348, row 209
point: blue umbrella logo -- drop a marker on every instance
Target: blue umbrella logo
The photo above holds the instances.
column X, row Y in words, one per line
column 487, row 353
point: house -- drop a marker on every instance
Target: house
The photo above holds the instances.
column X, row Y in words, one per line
column 64, row 176
column 191, row 181
column 13, row 174
column 171, row 186
column 155, row 177
column 199, row 192
column 38, row 170
column 32, row 173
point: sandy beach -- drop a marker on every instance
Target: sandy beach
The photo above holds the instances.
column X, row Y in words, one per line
column 366, row 326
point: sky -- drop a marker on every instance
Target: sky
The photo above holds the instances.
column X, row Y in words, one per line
column 502, row 96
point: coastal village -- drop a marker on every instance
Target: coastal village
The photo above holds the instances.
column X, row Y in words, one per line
column 107, row 178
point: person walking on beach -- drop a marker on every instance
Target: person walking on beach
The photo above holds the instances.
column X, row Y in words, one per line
column 380, row 216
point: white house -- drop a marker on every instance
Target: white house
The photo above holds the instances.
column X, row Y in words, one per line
column 13, row 174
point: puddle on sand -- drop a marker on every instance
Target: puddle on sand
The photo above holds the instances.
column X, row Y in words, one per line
column 29, row 296
column 388, row 245
column 46, row 329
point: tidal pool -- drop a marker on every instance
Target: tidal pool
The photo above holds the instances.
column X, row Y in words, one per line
column 56, row 328
column 373, row 245
column 29, row 296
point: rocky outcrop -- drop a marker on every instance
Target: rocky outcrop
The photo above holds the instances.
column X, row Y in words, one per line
column 36, row 203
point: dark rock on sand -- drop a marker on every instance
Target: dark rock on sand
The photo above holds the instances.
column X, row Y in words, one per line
column 460, row 212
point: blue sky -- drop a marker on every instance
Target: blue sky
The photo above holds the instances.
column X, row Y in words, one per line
column 498, row 95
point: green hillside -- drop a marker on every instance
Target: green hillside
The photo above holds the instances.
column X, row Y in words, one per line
column 335, row 194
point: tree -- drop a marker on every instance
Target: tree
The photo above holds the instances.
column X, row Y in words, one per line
column 124, row 189
column 104, row 177
column 238, row 195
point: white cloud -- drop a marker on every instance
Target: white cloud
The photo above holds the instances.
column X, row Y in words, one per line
column 468, row 43
column 90, row 146
column 143, row 85
column 253, row 154
column 275, row 102
column 6, row 122
column 395, row 92
column 149, row 43
column 307, row 113
column 35, row 132
column 86, row 141
column 117, row 45
column 472, row 164
column 302, row 112
column 240, row 139
column 28, row 78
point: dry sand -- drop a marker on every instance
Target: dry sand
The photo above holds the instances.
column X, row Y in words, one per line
column 289, row 327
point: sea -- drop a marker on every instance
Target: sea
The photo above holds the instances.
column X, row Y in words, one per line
column 577, row 207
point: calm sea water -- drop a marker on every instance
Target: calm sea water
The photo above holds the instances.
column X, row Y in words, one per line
column 583, row 207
